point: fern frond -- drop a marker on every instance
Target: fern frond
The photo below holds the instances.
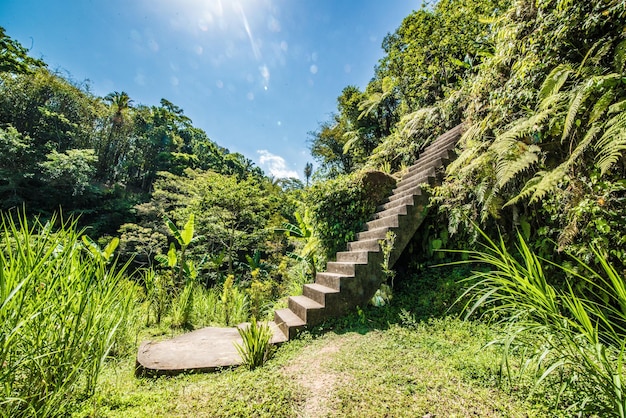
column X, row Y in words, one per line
column 548, row 183
column 601, row 106
column 462, row 160
column 413, row 121
column 619, row 58
column 507, row 169
column 477, row 132
column 602, row 46
column 568, row 234
column 528, row 189
column 576, row 103
column 612, row 143
column 617, row 107
column 554, row 81
column 545, row 182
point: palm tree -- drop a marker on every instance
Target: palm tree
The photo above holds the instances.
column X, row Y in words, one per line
column 115, row 146
column 308, row 170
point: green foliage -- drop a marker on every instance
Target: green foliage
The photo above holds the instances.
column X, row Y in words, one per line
column 61, row 311
column 544, row 125
column 579, row 335
column 310, row 252
column 339, row 207
column 255, row 349
column 384, row 294
column 14, row 57
column 71, row 170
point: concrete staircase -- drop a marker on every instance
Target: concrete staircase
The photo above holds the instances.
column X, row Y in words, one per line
column 353, row 279
column 348, row 282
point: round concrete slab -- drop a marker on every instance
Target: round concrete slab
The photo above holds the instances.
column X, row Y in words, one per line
column 204, row 350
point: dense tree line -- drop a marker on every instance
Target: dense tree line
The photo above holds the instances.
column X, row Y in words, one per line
column 63, row 147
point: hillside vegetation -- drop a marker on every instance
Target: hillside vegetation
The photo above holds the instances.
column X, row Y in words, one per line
column 536, row 202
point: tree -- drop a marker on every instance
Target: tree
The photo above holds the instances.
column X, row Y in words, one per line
column 308, row 170
column 114, row 146
column 14, row 57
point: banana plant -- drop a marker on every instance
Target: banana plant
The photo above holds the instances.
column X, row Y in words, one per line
column 184, row 237
column 103, row 254
column 303, row 231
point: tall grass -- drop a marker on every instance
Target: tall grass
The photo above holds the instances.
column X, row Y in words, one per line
column 574, row 336
column 60, row 308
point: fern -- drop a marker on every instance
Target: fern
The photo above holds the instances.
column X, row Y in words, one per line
column 507, row 169
column 619, row 58
column 525, row 127
column 612, row 143
column 602, row 46
column 617, row 107
column 554, row 81
column 577, row 101
column 414, row 121
column 601, row 106
column 583, row 93
column 545, row 182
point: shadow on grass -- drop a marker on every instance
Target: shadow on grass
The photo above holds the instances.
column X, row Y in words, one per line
column 431, row 292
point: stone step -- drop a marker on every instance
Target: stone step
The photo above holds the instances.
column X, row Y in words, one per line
column 378, row 233
column 319, row 293
column 339, row 267
column 357, row 257
column 278, row 336
column 307, row 309
column 366, row 244
column 426, row 178
column 435, row 159
column 389, row 222
column 430, row 179
column 401, row 201
column 437, row 148
column 398, row 210
column 414, row 191
column 288, row 322
column 332, row 280
column 445, row 141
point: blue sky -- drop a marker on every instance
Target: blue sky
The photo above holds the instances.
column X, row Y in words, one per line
column 256, row 75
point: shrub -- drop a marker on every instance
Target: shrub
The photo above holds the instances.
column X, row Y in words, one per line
column 342, row 205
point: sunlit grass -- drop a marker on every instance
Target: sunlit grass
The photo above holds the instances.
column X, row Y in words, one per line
column 62, row 307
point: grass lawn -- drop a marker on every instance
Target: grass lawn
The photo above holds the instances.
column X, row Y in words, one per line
column 410, row 369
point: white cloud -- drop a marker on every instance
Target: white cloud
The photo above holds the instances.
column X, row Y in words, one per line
column 275, row 164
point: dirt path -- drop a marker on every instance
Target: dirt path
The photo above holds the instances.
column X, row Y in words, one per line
column 310, row 370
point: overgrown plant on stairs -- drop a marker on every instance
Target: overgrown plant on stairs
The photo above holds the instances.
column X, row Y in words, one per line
column 385, row 293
